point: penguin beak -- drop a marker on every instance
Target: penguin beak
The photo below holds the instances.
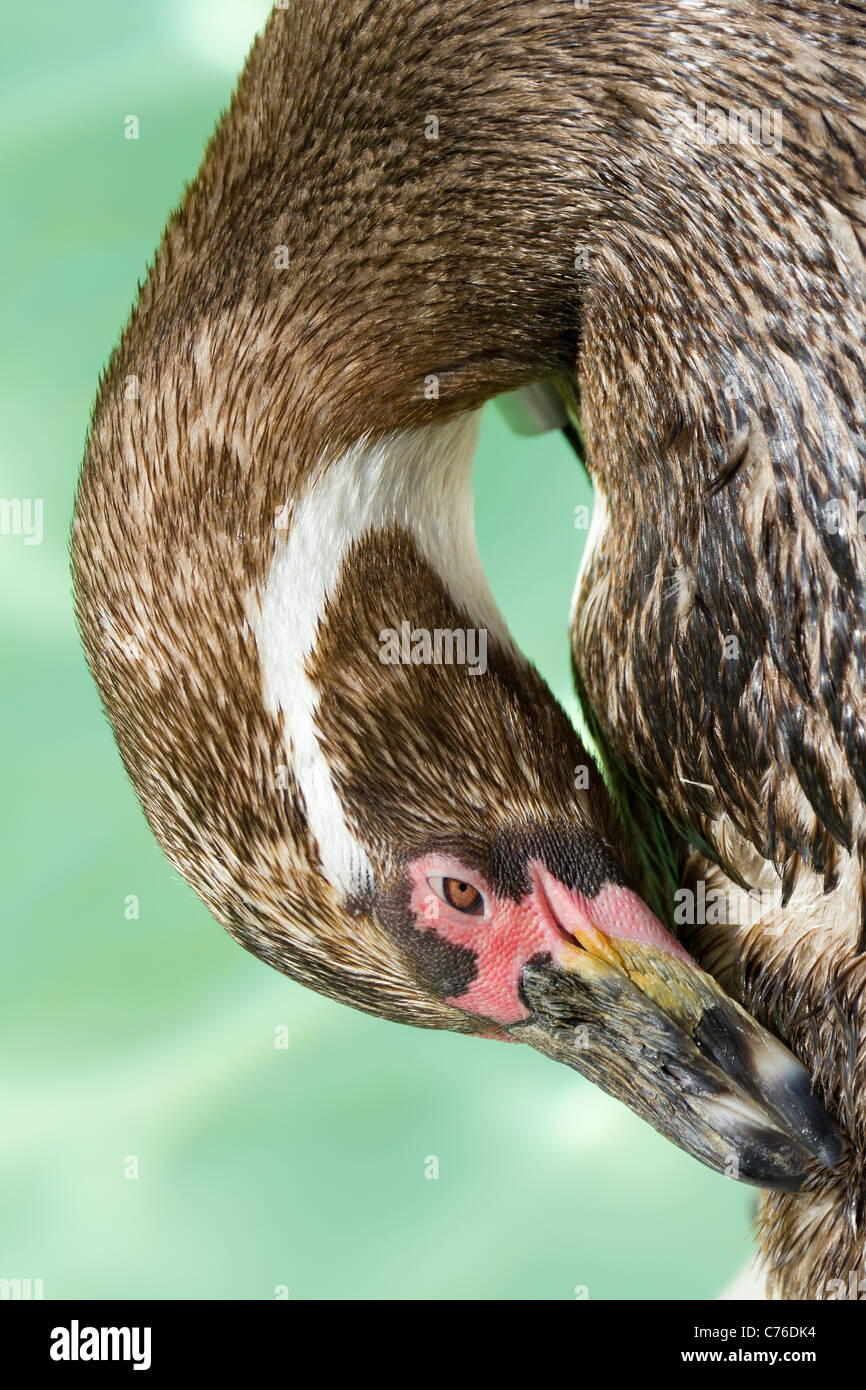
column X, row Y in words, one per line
column 627, row 1007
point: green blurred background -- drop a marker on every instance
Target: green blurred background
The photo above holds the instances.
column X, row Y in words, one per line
column 153, row 1037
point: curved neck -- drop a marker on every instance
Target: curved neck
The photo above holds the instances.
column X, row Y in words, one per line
column 418, row 484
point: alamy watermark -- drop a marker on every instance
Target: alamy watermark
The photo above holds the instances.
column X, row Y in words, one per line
column 22, row 516
column 77, row 1343
column 21, row 1289
column 440, row 646
column 713, row 125
column 845, row 515
column 850, row 1289
column 707, row 906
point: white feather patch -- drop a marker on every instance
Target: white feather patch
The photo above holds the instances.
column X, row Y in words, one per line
column 597, row 529
column 421, row 479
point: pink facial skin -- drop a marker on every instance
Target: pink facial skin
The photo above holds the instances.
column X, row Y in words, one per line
column 506, row 934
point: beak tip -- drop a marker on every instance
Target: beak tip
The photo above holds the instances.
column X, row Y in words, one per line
column 766, row 1158
column 819, row 1131
column 734, row 1096
column 773, row 1077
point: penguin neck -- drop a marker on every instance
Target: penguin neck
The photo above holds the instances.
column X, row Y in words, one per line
column 418, row 482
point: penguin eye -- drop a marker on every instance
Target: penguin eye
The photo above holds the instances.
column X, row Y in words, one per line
column 458, row 894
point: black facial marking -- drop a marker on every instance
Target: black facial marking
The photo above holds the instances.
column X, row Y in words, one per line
column 439, row 964
column 577, row 858
column 442, row 966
